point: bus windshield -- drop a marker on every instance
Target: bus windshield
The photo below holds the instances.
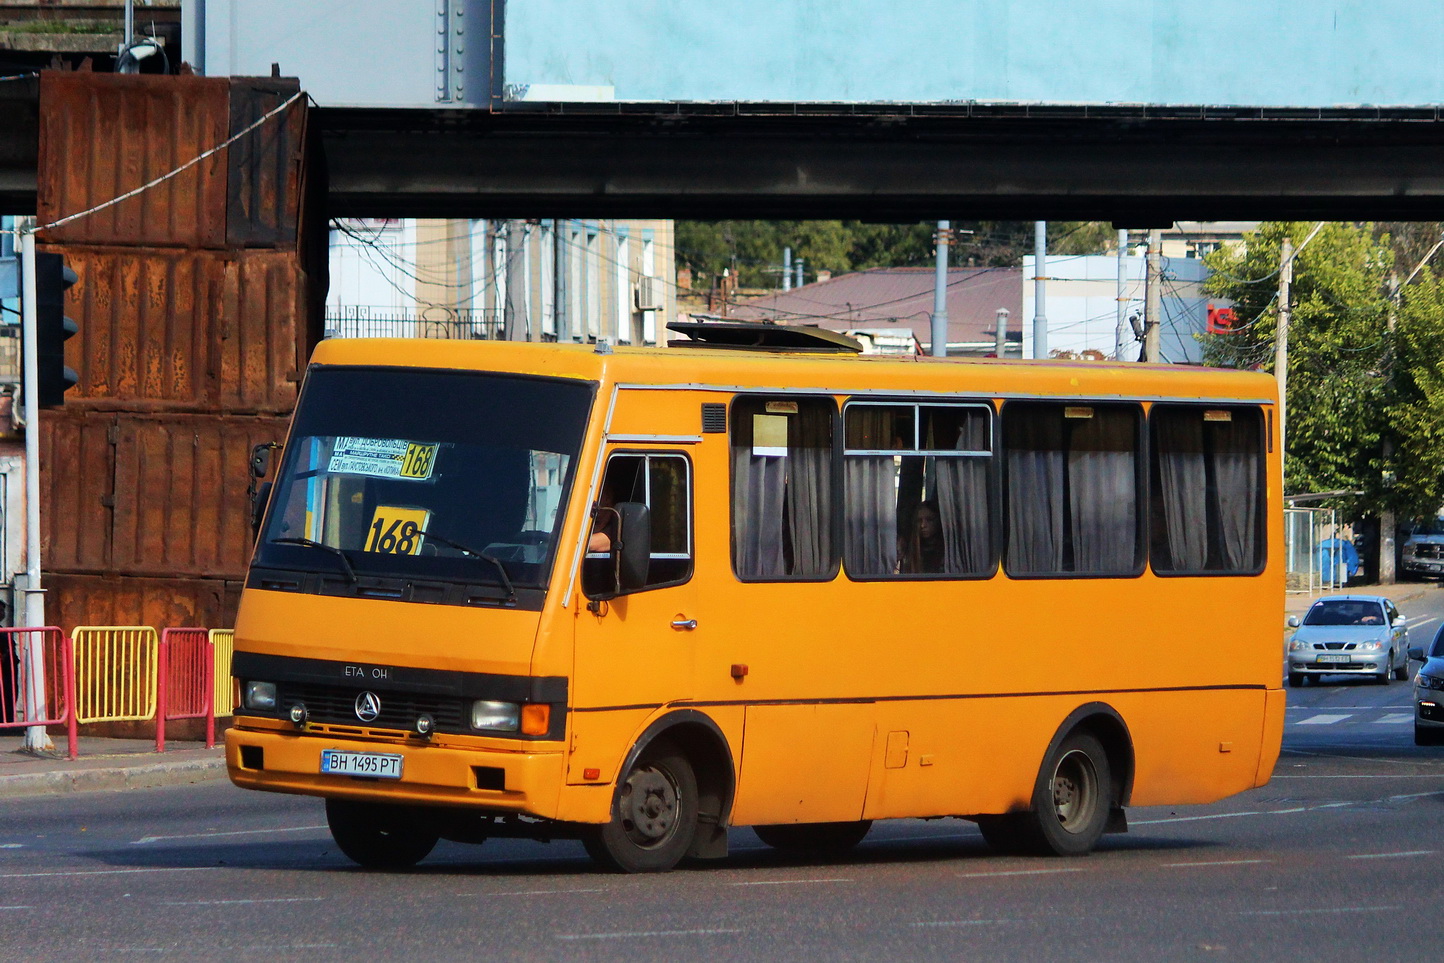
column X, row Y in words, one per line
column 431, row 477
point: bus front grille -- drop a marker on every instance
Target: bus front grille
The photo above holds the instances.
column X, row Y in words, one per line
column 399, row 710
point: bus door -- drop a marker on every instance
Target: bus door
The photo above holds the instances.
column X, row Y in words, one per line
column 635, row 647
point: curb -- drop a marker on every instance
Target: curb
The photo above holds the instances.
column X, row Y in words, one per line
column 122, row 777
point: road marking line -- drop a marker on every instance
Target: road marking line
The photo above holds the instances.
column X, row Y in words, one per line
column 1412, row 852
column 1373, row 775
column 642, row 933
column 789, row 882
column 1324, row 719
column 244, row 902
column 235, row 832
column 1019, row 872
column 1194, row 819
column 1334, row 755
column 111, row 872
column 12, row 845
column 1219, row 862
column 962, row 923
column 534, row 892
column 16, row 907
column 1394, row 718
column 1309, row 912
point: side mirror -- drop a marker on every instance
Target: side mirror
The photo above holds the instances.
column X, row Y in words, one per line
column 1400, row 621
column 1292, row 621
column 632, row 549
column 1416, row 653
column 261, row 459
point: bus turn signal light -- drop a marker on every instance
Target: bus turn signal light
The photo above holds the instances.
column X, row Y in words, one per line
column 536, row 720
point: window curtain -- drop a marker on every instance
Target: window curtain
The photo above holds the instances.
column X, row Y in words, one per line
column 1236, row 447
column 1103, row 492
column 1034, row 466
column 962, row 495
column 759, row 487
column 870, row 499
column 1183, row 488
column 809, row 491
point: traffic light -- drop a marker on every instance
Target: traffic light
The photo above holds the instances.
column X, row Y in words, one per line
column 52, row 277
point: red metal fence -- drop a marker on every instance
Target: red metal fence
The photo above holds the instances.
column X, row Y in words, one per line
column 21, row 652
column 186, row 684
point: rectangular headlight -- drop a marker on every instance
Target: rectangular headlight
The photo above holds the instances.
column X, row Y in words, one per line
column 259, row 695
column 495, row 716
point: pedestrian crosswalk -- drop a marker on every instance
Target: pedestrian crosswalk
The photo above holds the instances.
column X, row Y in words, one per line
column 1378, row 717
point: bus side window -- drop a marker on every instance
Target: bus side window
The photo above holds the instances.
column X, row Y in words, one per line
column 783, row 502
column 1074, row 489
column 1208, row 490
column 664, row 484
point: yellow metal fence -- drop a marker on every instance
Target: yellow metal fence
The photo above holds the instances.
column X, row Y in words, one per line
column 223, row 643
column 115, row 672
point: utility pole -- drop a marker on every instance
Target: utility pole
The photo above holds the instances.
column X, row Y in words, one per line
column 787, row 269
column 1000, row 333
column 1153, row 304
column 1040, row 289
column 36, row 739
column 939, row 346
column 1120, row 343
column 1281, row 341
column 560, row 231
column 517, row 325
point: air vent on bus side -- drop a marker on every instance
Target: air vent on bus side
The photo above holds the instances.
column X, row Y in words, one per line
column 714, row 418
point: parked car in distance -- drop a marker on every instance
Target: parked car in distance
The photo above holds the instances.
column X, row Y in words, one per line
column 1344, row 634
column 1422, row 555
column 1429, row 692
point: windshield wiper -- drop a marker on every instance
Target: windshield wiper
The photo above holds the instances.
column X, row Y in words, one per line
column 485, row 557
column 312, row 543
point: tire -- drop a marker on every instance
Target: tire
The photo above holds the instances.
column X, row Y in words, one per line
column 1402, row 673
column 654, row 815
column 1297, row 680
column 1071, row 800
column 381, row 837
column 1383, row 677
column 820, row 838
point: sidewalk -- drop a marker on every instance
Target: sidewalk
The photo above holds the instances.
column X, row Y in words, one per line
column 105, row 764
column 1297, row 603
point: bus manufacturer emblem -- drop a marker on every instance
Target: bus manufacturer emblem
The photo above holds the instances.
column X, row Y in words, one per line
column 368, row 706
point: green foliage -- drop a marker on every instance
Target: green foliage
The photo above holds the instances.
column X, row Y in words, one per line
column 1365, row 409
column 753, row 249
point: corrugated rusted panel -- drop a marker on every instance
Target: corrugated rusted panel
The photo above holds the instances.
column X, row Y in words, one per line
column 72, row 600
column 103, row 135
column 77, row 469
column 181, row 507
column 265, row 180
column 191, row 330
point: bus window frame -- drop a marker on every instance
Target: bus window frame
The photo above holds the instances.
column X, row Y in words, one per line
column 834, row 473
column 647, row 454
column 995, row 488
column 1141, row 479
column 1265, row 448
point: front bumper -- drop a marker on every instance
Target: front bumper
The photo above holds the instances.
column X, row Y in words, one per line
column 432, row 773
column 1429, row 709
column 1373, row 663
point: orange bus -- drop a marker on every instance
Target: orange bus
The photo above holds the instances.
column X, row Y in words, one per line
column 640, row 596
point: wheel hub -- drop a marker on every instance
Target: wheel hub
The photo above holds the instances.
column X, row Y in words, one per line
column 1075, row 791
column 649, row 807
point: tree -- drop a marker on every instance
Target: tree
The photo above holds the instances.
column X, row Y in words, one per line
column 1365, row 407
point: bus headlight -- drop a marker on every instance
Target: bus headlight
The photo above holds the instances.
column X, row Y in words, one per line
column 259, row 695
column 495, row 716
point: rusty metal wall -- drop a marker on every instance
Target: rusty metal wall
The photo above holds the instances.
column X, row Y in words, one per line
column 149, row 494
column 265, row 178
column 73, row 600
column 187, row 330
column 102, row 135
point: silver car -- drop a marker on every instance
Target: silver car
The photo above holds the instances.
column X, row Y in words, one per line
column 1349, row 634
column 1429, row 693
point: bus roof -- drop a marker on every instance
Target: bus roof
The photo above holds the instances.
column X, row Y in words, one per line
column 734, row 369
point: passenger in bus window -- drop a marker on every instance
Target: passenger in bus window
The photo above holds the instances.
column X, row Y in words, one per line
column 924, row 553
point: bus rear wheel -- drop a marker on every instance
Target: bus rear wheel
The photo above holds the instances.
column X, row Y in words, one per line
column 654, row 815
column 378, row 836
column 814, row 837
column 1071, row 800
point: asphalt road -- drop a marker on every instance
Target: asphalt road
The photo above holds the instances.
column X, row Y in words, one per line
column 1337, row 859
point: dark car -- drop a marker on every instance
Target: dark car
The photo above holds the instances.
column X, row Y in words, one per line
column 1429, row 692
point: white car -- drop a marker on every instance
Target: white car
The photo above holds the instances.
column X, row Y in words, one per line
column 1349, row 634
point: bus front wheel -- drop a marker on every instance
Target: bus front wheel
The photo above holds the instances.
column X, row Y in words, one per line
column 378, row 836
column 654, row 815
